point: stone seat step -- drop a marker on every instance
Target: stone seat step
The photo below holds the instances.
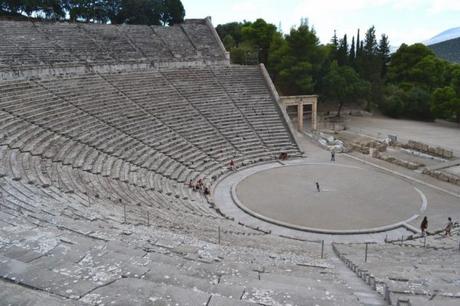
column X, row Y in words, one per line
column 47, row 146
column 17, row 198
column 14, row 131
column 115, row 170
column 124, row 173
column 41, row 171
column 107, row 165
column 218, row 300
column 169, row 275
column 97, row 167
column 125, row 291
column 62, row 182
column 114, row 192
column 72, row 176
column 142, row 178
column 15, row 170
column 101, row 188
column 29, row 169
column 77, row 158
column 42, row 279
column 34, row 134
column 12, row 294
column 62, row 153
column 90, row 160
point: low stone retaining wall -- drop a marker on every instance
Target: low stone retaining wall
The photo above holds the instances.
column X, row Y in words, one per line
column 400, row 162
column 373, row 147
column 435, row 151
column 443, row 176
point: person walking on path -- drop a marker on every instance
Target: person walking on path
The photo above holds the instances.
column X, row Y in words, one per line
column 424, row 226
column 317, row 187
column 333, row 155
column 449, row 227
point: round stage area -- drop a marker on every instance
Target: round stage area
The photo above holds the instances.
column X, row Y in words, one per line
column 351, row 198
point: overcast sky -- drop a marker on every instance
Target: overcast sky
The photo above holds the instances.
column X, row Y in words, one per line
column 404, row 21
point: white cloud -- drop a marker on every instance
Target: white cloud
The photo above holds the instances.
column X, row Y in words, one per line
column 405, row 5
column 403, row 20
column 440, row 6
column 244, row 7
column 333, row 6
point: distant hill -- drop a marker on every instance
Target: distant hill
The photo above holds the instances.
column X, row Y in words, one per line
column 448, row 50
column 443, row 36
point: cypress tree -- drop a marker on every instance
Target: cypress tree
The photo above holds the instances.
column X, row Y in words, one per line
column 342, row 52
column 352, row 51
column 358, row 42
column 383, row 51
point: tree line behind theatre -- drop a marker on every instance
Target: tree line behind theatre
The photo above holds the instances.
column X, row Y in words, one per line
column 410, row 83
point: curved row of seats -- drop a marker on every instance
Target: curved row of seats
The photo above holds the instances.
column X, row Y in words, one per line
column 69, row 234
column 139, row 123
column 137, row 138
column 35, row 186
column 61, row 250
column 42, row 45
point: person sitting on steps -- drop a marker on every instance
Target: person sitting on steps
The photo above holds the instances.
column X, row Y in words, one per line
column 231, row 165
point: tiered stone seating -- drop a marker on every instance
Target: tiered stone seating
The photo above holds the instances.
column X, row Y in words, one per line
column 198, row 32
column 153, row 48
column 118, row 109
column 50, row 48
column 177, row 42
column 113, row 42
column 17, row 52
column 86, row 253
column 423, row 272
column 199, row 87
column 249, row 92
column 94, row 166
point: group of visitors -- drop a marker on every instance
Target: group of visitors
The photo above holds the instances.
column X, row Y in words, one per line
column 447, row 229
column 283, row 156
column 200, row 185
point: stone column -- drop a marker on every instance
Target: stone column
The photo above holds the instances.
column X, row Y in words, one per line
column 300, row 116
column 313, row 114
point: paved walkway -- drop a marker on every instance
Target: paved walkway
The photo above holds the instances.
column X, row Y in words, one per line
column 448, row 164
column 432, row 133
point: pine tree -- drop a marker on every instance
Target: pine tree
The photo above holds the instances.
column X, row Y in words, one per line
column 334, row 40
column 334, row 46
column 173, row 12
column 370, row 43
